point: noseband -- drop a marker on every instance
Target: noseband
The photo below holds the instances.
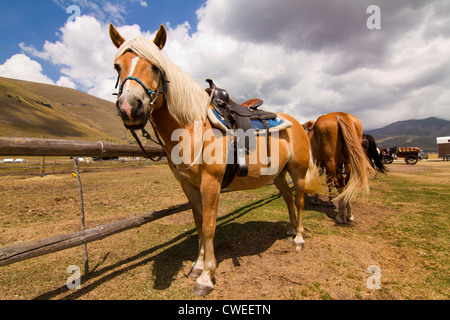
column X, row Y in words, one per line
column 149, row 92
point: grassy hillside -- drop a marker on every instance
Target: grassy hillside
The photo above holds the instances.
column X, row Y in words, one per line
column 29, row 109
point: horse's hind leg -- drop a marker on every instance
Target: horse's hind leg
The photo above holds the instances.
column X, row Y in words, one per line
column 348, row 206
column 286, row 192
column 341, row 217
column 350, row 217
column 298, row 178
column 344, row 212
column 299, row 186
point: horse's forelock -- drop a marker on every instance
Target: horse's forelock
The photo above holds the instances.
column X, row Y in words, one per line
column 186, row 99
column 144, row 48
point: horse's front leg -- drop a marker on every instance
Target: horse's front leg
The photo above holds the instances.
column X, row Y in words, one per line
column 210, row 192
column 195, row 200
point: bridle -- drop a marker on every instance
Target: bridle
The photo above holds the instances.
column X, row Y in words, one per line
column 150, row 93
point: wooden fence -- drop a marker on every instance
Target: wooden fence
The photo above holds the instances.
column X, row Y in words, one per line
column 12, row 254
column 56, row 147
column 53, row 147
column 49, row 147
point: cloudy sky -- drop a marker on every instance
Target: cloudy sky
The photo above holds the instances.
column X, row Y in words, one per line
column 302, row 57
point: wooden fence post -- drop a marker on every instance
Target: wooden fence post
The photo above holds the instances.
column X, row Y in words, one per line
column 82, row 220
column 43, row 166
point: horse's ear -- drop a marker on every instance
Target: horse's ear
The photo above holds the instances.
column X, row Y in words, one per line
column 309, row 125
column 161, row 37
column 116, row 38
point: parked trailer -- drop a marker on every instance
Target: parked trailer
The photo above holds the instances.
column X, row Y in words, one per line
column 443, row 144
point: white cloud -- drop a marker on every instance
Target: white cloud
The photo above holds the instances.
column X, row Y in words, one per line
column 305, row 58
column 84, row 55
column 142, row 3
column 311, row 57
column 21, row 67
column 65, row 82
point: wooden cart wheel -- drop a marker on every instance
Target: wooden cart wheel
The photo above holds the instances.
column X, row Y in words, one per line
column 411, row 159
column 387, row 159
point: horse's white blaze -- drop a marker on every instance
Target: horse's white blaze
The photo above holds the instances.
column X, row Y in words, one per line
column 134, row 62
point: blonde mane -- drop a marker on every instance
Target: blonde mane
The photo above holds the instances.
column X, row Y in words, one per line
column 186, row 99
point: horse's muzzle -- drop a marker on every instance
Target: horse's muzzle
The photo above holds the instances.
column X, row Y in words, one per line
column 135, row 126
column 133, row 113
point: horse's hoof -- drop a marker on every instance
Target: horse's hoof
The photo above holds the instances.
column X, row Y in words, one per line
column 340, row 220
column 195, row 273
column 299, row 243
column 201, row 290
column 299, row 246
column 351, row 218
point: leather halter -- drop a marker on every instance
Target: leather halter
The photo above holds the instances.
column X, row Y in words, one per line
column 150, row 93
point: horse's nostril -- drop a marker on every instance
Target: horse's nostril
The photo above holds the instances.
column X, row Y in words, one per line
column 140, row 105
column 138, row 109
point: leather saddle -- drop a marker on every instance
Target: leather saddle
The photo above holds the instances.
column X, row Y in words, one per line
column 238, row 118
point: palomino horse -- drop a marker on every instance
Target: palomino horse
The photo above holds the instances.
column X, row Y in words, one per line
column 336, row 142
column 154, row 89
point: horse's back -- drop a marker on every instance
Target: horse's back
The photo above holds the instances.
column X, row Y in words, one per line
column 291, row 148
column 327, row 140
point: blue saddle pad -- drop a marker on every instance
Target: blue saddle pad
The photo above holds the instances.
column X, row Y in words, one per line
column 257, row 124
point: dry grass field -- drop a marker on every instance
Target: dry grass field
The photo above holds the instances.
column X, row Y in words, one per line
column 402, row 227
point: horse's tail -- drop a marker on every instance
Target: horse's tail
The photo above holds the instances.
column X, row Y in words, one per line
column 313, row 184
column 375, row 156
column 358, row 165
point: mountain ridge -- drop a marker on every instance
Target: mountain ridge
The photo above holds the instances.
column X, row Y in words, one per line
column 412, row 133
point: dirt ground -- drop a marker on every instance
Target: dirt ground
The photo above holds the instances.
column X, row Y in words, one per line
column 255, row 258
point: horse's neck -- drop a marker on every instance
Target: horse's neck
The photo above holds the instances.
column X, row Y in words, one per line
column 166, row 124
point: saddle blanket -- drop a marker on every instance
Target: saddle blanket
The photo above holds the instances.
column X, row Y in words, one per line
column 277, row 124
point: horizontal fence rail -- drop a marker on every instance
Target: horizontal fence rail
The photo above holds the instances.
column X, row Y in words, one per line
column 36, row 248
column 13, row 254
column 57, row 147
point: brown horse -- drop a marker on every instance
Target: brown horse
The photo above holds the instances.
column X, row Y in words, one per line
column 336, row 144
column 154, row 89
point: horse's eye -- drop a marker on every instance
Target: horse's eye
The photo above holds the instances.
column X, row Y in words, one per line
column 155, row 69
